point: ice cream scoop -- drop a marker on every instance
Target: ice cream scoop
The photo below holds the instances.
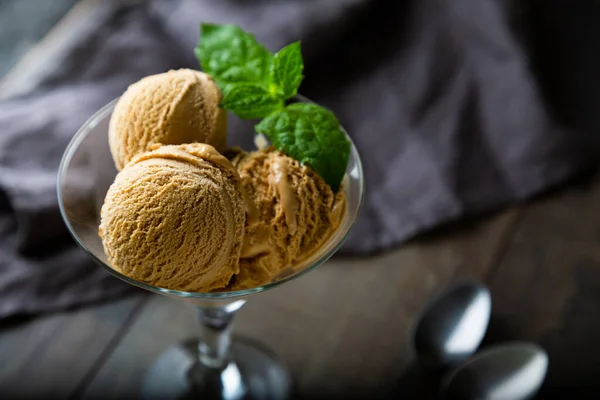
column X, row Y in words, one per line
column 174, row 218
column 296, row 211
column 176, row 107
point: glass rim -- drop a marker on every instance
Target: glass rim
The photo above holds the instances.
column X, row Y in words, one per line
column 225, row 295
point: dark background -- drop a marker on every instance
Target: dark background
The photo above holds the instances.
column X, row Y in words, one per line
column 546, row 283
column 23, row 23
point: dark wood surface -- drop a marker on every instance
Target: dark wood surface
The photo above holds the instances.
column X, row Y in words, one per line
column 547, row 288
column 351, row 317
column 55, row 354
column 341, row 327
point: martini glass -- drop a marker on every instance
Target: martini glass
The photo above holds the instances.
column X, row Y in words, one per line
column 214, row 365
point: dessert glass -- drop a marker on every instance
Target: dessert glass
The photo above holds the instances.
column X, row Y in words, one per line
column 214, row 365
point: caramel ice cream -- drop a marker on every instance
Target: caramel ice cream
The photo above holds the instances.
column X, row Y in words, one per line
column 296, row 212
column 175, row 107
column 174, row 218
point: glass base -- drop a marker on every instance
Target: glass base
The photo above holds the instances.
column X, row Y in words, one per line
column 254, row 373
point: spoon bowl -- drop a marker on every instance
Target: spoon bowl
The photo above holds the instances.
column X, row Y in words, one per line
column 452, row 326
column 512, row 371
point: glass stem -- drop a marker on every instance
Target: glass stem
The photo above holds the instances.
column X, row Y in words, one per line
column 214, row 348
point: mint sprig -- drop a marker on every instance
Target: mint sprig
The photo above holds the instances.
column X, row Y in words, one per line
column 251, row 100
column 256, row 84
column 286, row 71
column 312, row 135
column 232, row 56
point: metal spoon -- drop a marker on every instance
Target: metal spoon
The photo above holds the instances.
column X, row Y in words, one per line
column 452, row 326
column 505, row 372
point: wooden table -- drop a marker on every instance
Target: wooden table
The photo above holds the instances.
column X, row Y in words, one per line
column 343, row 328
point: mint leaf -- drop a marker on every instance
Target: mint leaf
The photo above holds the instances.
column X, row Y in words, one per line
column 256, row 83
column 250, row 101
column 231, row 56
column 312, row 135
column 286, row 72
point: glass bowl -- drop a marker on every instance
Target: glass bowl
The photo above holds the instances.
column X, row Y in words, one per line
column 212, row 366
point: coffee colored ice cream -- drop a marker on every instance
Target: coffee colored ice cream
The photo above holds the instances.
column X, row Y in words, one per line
column 174, row 218
column 296, row 212
column 175, row 107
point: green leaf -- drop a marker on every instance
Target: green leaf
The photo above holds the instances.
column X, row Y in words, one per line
column 250, row 101
column 286, row 72
column 231, row 56
column 312, row 135
column 256, row 83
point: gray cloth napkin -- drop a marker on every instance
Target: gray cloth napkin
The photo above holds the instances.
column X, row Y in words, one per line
column 437, row 95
